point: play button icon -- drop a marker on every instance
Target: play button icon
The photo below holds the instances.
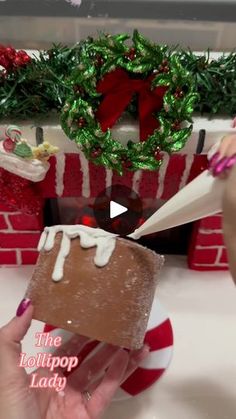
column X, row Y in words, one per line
column 118, row 209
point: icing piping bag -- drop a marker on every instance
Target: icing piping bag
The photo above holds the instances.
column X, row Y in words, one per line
column 200, row 198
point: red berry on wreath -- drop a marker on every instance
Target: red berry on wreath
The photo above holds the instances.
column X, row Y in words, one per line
column 81, row 122
column 176, row 126
column 164, row 62
column 163, row 67
column 99, row 60
column 79, row 90
column 96, row 152
column 8, row 145
column 126, row 162
column 178, row 93
column 157, row 154
column 131, row 54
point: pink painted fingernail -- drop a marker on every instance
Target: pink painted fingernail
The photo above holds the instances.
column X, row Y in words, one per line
column 213, row 160
column 25, row 303
column 231, row 162
column 220, row 167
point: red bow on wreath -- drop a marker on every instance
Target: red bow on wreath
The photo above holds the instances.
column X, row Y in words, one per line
column 118, row 89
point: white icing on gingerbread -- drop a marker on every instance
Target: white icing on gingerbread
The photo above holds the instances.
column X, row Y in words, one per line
column 89, row 237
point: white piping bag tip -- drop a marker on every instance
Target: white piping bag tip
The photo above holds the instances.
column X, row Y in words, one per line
column 134, row 235
column 200, row 198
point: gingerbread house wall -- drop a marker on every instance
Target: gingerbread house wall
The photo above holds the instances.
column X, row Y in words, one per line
column 71, row 175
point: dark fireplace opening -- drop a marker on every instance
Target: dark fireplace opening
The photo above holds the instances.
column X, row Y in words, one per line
column 80, row 211
column 174, row 241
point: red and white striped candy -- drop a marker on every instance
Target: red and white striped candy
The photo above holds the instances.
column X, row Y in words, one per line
column 13, row 132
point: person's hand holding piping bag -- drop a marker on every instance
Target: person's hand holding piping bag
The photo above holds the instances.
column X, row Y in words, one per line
column 223, row 164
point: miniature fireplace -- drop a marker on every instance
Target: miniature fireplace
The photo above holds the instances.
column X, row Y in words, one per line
column 75, row 182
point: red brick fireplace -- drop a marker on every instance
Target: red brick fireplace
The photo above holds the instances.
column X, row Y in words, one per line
column 19, row 233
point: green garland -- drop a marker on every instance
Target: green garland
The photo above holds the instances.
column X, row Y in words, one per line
column 46, row 83
column 42, row 86
column 215, row 81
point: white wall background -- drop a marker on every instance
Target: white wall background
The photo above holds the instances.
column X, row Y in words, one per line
column 35, row 32
column 177, row 1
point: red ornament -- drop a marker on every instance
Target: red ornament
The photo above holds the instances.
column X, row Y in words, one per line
column 19, row 194
column 18, row 61
column 11, row 52
column 8, row 145
column 27, row 59
column 11, row 59
column 5, row 62
column 96, row 153
column 131, row 54
column 81, row 122
column 24, row 56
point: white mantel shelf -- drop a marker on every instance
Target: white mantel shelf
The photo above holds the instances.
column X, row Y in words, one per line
column 215, row 130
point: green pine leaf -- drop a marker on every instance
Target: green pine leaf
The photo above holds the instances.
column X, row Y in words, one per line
column 140, row 42
column 188, row 103
column 161, row 80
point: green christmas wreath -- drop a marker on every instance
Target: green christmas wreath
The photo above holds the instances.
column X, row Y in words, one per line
column 145, row 80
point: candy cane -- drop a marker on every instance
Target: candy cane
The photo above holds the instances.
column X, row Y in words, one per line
column 13, row 132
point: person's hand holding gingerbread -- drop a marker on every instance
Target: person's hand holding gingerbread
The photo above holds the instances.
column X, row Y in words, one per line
column 89, row 389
